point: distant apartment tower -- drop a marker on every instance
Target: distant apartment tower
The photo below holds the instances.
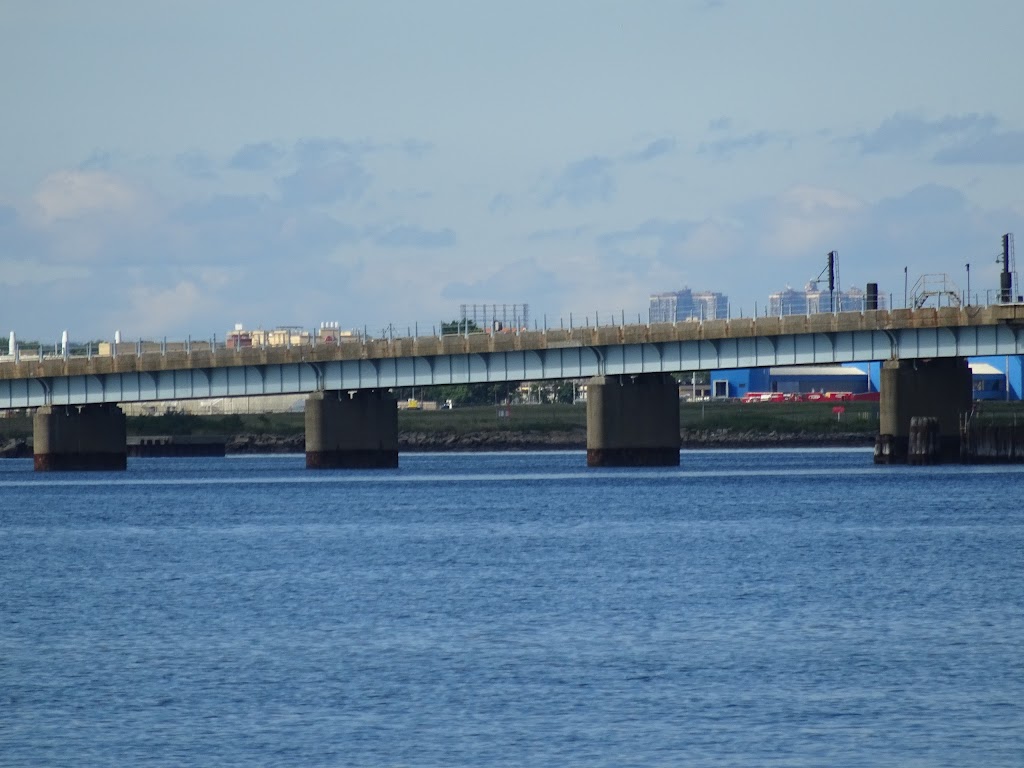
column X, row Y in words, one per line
column 813, row 299
column 688, row 305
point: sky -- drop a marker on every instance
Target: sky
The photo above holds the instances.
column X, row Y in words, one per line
column 177, row 167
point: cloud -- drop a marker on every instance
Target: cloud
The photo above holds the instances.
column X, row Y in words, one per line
column 200, row 262
column 98, row 161
column 221, row 208
column 152, row 310
column 991, row 149
column 312, row 234
column 592, row 179
column 907, row 133
column 500, row 203
column 414, row 237
column 36, row 247
column 509, row 284
column 584, row 181
column 249, row 230
column 783, row 239
column 556, row 234
column 928, row 200
column 727, row 146
column 416, row 149
column 72, row 194
column 665, row 233
column 8, row 217
column 332, row 182
column 256, row 157
column 656, row 254
column 655, row 149
column 319, row 150
column 929, row 229
column 23, row 272
column 816, row 200
column 806, row 219
column 326, row 231
column 195, row 165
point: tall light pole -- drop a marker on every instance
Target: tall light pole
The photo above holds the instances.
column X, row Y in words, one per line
column 904, row 287
column 968, row 267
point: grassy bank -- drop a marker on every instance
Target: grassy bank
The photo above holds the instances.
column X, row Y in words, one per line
column 760, row 417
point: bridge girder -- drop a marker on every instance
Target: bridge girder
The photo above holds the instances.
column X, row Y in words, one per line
column 227, row 378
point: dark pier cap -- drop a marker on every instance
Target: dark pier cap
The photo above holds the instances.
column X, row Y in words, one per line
column 86, row 437
column 633, row 421
column 357, row 430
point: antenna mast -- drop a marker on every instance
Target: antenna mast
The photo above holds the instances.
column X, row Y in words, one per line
column 1006, row 277
column 832, row 270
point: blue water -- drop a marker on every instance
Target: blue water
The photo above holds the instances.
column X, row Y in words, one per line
column 749, row 608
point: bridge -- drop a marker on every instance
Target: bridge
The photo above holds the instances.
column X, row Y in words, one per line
column 349, row 415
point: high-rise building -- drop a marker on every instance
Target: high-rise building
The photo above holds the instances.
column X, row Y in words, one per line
column 710, row 305
column 688, row 305
column 813, row 299
column 787, row 302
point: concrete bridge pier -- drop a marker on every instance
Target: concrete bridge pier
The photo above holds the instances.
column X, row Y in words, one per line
column 940, row 388
column 633, row 421
column 357, row 430
column 79, row 437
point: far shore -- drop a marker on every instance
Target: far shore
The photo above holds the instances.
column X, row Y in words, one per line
column 494, row 440
column 510, row 441
column 569, row 441
column 490, row 428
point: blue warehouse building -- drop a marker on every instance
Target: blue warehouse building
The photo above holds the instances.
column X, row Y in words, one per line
column 998, row 378
column 995, row 378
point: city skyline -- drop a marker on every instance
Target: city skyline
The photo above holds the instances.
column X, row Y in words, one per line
column 687, row 304
column 177, row 169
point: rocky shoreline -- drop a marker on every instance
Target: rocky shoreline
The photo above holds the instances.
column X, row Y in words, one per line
column 724, row 438
column 412, row 442
column 16, row 449
column 573, row 440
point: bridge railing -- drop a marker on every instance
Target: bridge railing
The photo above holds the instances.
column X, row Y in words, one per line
column 569, row 324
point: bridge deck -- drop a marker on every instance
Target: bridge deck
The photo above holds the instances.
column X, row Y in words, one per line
column 169, row 373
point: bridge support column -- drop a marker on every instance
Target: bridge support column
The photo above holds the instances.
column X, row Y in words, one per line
column 352, row 431
column 79, row 437
column 940, row 388
column 633, row 421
